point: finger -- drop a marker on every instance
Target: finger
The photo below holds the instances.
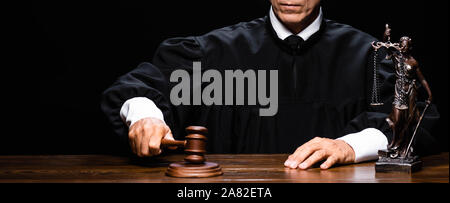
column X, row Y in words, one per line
column 131, row 139
column 131, row 142
column 329, row 162
column 301, row 154
column 155, row 141
column 316, row 157
column 313, row 142
column 169, row 136
column 137, row 140
column 144, row 149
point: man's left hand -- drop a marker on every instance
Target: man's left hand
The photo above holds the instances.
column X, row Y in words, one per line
column 318, row 149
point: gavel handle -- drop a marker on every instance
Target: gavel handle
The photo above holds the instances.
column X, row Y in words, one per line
column 168, row 143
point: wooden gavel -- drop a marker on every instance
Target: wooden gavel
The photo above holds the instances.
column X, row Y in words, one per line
column 194, row 165
column 194, row 145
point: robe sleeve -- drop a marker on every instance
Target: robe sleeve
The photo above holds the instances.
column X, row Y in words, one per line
column 151, row 80
column 375, row 116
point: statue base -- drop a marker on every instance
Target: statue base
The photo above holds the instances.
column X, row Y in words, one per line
column 389, row 163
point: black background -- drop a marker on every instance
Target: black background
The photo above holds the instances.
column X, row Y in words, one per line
column 65, row 53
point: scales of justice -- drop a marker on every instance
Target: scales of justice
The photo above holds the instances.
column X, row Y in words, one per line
column 405, row 117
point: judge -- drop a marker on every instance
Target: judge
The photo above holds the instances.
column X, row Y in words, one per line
column 324, row 87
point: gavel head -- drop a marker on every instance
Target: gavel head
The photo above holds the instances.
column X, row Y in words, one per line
column 195, row 146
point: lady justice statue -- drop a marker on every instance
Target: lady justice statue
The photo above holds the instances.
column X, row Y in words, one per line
column 405, row 117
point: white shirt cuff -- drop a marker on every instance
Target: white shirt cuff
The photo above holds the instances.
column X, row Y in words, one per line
column 138, row 108
column 366, row 144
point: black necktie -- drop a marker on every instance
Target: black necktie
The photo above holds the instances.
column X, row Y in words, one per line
column 294, row 42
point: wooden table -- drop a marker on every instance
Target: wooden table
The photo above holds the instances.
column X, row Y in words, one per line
column 236, row 168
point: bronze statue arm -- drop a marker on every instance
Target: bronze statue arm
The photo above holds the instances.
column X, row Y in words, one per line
column 425, row 84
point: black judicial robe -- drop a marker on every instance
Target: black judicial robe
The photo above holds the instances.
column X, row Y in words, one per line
column 330, row 99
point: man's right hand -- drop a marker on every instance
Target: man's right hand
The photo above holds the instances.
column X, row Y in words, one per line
column 145, row 136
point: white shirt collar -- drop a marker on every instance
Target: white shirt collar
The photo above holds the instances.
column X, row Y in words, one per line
column 305, row 34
